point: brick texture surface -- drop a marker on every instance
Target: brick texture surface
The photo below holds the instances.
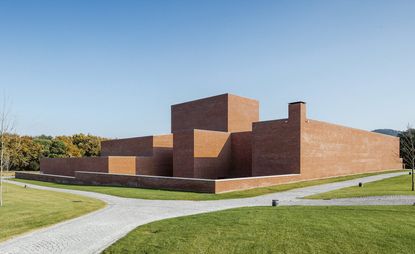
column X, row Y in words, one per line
column 140, row 146
column 330, row 150
column 183, row 154
column 221, row 137
column 241, row 154
column 317, row 149
column 227, row 113
column 68, row 166
column 202, row 154
column 275, row 148
column 242, row 112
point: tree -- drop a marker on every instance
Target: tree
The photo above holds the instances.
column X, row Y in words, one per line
column 88, row 145
column 58, row 149
column 25, row 152
column 71, row 149
column 29, row 152
column 6, row 126
column 408, row 150
column 44, row 145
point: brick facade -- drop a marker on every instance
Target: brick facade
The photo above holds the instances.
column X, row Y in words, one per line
column 329, row 150
column 241, row 154
column 226, row 112
column 202, row 154
column 221, row 138
column 152, row 155
column 315, row 149
column 68, row 166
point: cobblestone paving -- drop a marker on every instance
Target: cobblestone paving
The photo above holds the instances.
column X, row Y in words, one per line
column 94, row 232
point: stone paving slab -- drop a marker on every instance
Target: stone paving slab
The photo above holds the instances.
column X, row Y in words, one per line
column 93, row 232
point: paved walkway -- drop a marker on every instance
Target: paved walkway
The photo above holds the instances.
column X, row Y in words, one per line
column 94, row 232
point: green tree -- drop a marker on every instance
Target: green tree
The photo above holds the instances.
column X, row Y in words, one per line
column 71, row 149
column 88, row 145
column 407, row 139
column 24, row 152
column 45, row 145
column 57, row 149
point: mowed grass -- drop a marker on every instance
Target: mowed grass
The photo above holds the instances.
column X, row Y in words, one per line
column 400, row 185
column 182, row 195
column 25, row 209
column 375, row 229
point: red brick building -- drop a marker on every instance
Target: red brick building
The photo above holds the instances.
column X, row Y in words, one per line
column 218, row 144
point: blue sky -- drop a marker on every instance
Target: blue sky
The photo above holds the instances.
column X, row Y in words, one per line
column 113, row 68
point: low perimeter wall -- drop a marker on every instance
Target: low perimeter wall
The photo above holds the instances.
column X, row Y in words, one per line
column 139, row 181
column 47, row 178
column 168, row 183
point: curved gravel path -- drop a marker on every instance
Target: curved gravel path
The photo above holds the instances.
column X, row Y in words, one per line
column 93, row 232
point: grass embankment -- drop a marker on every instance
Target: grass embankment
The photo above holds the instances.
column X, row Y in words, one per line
column 376, row 229
column 181, row 195
column 25, row 209
column 400, row 185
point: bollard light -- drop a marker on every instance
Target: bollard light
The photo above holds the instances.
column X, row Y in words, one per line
column 274, row 202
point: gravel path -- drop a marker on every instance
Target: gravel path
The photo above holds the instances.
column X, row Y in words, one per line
column 94, row 232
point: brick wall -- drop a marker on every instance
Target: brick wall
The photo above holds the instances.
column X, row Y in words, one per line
column 242, row 112
column 183, row 154
column 226, row 112
column 331, row 150
column 122, row 164
column 151, row 182
column 227, row 185
column 213, row 139
column 140, row 146
column 162, row 162
column 212, row 154
column 68, row 166
column 166, row 183
column 207, row 113
column 201, row 154
column 144, row 165
column 163, row 141
column 317, row 149
column 154, row 153
column 241, row 154
column 275, row 148
column 47, row 178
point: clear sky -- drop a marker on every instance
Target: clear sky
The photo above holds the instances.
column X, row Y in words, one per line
column 113, row 68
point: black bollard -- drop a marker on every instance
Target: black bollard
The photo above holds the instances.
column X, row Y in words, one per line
column 274, row 202
column 360, row 184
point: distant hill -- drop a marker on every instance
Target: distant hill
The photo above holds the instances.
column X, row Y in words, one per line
column 389, row 132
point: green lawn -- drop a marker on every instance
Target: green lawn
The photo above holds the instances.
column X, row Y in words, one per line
column 375, row 229
column 181, row 195
column 400, row 185
column 25, row 209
